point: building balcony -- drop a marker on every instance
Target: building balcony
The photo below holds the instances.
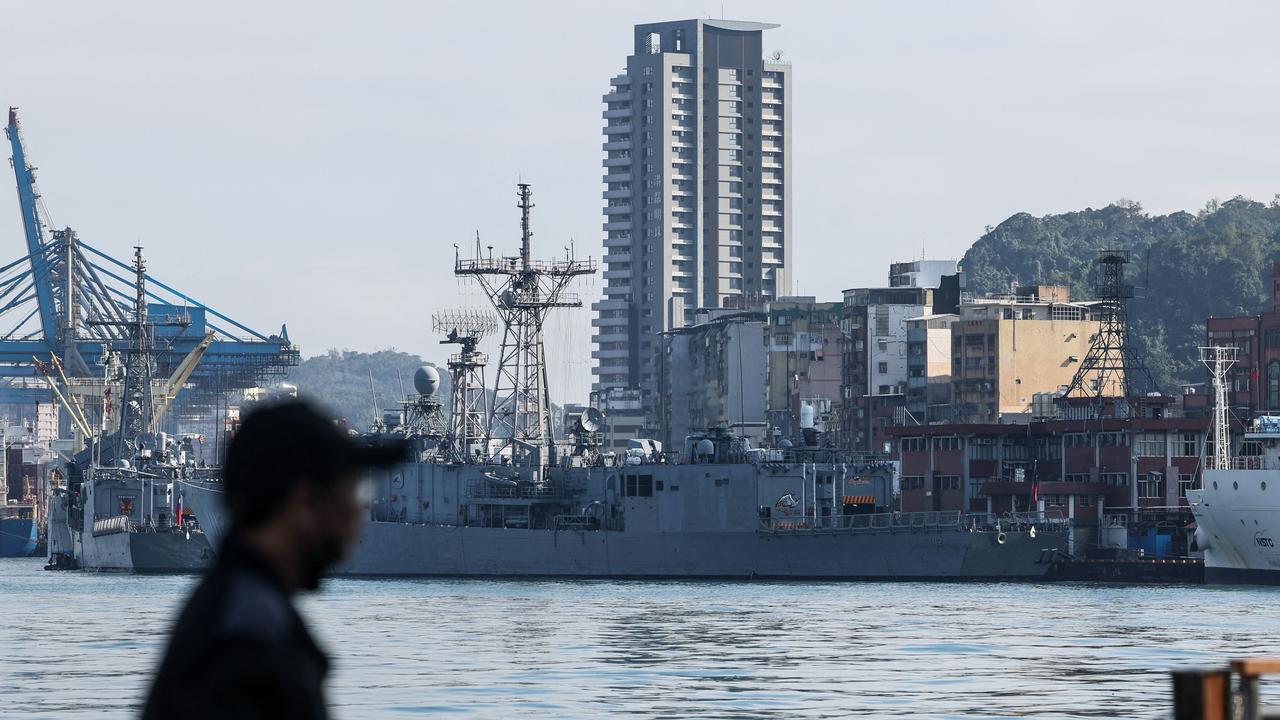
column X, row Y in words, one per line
column 622, row 143
column 617, row 224
column 622, row 244
column 603, row 354
column 617, row 129
column 617, row 209
column 603, row 305
column 619, row 256
column 617, row 177
column 620, row 113
column 616, row 96
column 616, row 274
column 616, row 194
column 617, row 162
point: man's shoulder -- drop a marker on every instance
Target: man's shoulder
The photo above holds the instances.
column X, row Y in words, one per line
column 235, row 603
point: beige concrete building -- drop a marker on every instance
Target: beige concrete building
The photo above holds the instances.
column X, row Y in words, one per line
column 1007, row 348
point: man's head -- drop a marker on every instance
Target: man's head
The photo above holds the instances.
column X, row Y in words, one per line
column 292, row 474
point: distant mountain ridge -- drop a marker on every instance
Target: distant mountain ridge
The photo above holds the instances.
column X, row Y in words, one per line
column 1188, row 267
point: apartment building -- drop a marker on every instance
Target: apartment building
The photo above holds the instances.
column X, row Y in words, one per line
column 1007, row 348
column 697, row 191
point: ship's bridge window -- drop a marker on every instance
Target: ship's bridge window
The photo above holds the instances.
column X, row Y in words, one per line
column 638, row 486
column 1250, row 448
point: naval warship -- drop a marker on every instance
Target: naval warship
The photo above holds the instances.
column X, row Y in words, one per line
column 490, row 492
column 122, row 509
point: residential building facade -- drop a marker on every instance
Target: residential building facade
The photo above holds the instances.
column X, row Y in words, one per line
column 697, row 191
column 715, row 376
column 928, row 397
column 1007, row 348
column 804, row 346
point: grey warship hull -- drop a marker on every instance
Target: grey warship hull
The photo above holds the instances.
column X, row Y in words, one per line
column 390, row 549
column 716, row 520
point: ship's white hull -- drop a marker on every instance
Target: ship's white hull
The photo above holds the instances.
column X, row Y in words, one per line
column 1238, row 525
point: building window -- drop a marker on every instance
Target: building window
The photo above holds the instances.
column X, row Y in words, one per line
column 1185, row 483
column 946, row 443
column 882, row 368
column 912, row 482
column 1151, row 444
column 1188, row 445
column 1151, row 485
column 949, row 482
column 982, row 449
column 913, row 444
column 1115, row 479
column 1084, row 500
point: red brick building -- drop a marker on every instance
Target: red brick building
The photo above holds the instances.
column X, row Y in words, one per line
column 1133, row 472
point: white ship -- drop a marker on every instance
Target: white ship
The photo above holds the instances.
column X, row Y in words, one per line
column 1237, row 507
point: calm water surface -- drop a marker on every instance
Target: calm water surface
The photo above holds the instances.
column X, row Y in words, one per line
column 82, row 645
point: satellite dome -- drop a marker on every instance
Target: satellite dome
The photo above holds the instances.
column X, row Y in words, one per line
column 426, row 380
column 785, row 444
column 705, row 448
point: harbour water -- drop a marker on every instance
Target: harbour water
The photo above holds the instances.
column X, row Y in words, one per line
column 81, row 645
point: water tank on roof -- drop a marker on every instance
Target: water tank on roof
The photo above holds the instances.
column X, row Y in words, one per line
column 806, row 416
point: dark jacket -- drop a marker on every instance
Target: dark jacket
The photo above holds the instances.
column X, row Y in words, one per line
column 239, row 649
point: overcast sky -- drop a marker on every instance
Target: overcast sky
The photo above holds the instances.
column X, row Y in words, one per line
column 314, row 163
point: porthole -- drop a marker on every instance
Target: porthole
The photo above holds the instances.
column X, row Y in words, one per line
column 1235, row 485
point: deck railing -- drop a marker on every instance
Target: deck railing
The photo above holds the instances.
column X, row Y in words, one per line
column 917, row 522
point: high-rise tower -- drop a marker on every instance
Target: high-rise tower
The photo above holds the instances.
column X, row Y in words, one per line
column 697, row 202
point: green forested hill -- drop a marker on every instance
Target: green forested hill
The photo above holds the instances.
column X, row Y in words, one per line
column 1188, row 267
column 339, row 381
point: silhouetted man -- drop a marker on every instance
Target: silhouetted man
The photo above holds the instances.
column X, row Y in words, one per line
column 240, row 650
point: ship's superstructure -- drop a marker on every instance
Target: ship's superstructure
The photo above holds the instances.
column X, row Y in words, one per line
column 122, row 508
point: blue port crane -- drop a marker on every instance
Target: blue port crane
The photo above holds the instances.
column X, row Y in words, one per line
column 69, row 299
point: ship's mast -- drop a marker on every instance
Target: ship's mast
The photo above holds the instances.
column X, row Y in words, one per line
column 469, row 399
column 1219, row 360
column 523, row 292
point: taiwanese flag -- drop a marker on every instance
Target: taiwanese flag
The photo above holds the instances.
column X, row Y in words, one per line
column 178, row 513
column 1035, row 492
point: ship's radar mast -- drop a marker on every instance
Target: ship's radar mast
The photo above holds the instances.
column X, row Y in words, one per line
column 469, row 399
column 523, row 292
column 1219, row 360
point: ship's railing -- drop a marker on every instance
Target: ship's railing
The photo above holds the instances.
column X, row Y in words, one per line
column 1247, row 462
column 110, row 525
column 524, row 491
column 917, row 521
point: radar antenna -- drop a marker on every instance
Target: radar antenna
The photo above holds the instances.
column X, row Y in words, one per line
column 523, row 291
column 469, row 400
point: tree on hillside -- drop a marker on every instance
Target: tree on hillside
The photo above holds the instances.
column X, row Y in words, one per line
column 339, row 381
column 1188, row 268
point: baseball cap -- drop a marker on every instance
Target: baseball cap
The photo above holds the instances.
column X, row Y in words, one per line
column 282, row 443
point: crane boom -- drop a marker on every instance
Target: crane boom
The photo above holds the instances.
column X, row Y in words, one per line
column 179, row 378
column 33, row 228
